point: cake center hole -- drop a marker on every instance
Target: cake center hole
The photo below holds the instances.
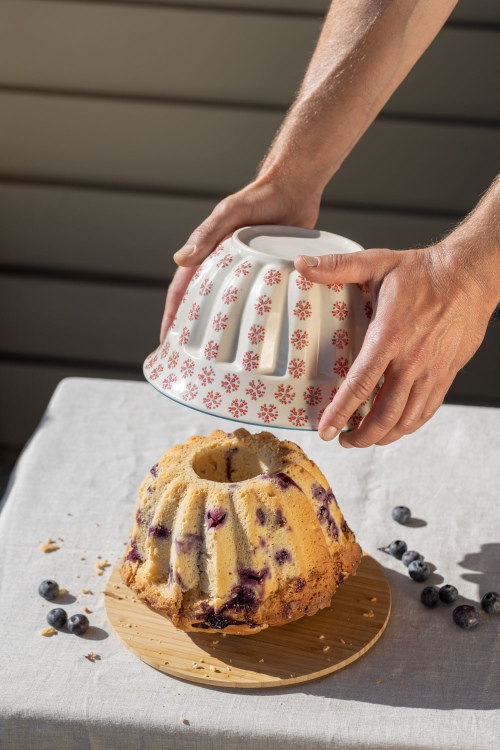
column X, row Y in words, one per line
column 229, row 464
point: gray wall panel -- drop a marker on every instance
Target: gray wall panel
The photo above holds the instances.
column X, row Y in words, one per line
column 217, row 150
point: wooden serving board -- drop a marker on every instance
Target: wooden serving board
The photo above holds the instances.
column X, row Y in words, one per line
column 300, row 651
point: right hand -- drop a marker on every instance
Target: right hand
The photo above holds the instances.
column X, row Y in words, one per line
column 263, row 201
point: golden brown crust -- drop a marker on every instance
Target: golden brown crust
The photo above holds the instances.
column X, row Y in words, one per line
column 319, row 567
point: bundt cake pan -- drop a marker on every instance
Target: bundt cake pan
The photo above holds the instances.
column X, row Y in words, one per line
column 256, row 342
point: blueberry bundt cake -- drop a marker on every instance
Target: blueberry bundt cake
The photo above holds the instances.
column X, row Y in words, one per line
column 237, row 532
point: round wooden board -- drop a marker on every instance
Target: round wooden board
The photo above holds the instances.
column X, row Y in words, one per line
column 303, row 650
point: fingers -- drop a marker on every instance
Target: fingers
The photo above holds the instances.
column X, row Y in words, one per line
column 346, row 268
column 419, row 412
column 175, row 293
column 365, row 373
column 226, row 217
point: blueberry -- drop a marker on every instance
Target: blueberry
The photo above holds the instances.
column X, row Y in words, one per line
column 57, row 618
column 397, row 548
column 419, row 570
column 491, row 603
column 448, row 593
column 78, row 624
column 401, row 514
column 411, row 555
column 49, row 590
column 429, row 596
column 466, row 617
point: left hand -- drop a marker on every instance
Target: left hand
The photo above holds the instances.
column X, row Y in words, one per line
column 429, row 317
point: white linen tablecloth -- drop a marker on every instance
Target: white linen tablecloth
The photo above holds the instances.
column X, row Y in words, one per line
column 425, row 684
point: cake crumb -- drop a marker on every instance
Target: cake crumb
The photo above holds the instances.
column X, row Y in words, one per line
column 202, row 661
column 82, row 558
column 102, row 564
column 167, row 662
column 342, row 641
column 86, row 591
column 326, row 648
column 49, row 546
column 402, row 682
column 321, row 636
column 373, row 598
column 379, row 682
column 93, row 657
column 214, row 643
column 261, row 661
column 47, row 632
column 184, row 720
column 63, row 591
column 214, row 669
column 370, row 613
column 87, row 611
column 417, row 627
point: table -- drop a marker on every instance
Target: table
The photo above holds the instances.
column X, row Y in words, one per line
column 425, row 684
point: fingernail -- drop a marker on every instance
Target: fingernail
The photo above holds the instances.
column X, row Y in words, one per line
column 186, row 251
column 329, row 433
column 310, row 261
column 345, row 444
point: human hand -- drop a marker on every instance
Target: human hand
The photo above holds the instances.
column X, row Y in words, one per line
column 430, row 315
column 264, row 201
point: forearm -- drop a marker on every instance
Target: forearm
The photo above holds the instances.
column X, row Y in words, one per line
column 473, row 247
column 365, row 49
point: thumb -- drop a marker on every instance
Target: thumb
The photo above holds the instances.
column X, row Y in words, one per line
column 346, row 268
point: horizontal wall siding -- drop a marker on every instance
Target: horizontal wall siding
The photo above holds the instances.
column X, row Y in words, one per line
column 216, row 150
column 141, row 51
column 122, row 123
column 134, row 235
column 100, row 323
column 474, row 11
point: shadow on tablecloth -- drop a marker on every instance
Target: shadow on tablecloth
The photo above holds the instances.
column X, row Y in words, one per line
column 423, row 660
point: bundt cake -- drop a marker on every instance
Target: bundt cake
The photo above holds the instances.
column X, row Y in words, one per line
column 237, row 532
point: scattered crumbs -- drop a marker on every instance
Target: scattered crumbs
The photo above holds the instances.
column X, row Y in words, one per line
column 370, row 613
column 230, row 660
column 93, row 657
column 214, row 643
column 328, row 659
column 129, row 625
column 86, row 591
column 224, row 635
column 379, row 682
column 48, row 632
column 49, row 546
column 87, row 611
column 82, row 557
column 150, row 639
column 214, row 669
column 321, row 636
column 261, row 661
column 326, row 648
column 63, row 591
column 167, row 662
column 113, row 596
column 101, row 565
column 125, row 543
column 291, row 675
column 402, row 682
column 60, row 539
column 98, row 557
column 202, row 661
column 184, row 720
column 342, row 641
column 373, row 598
column 206, row 675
